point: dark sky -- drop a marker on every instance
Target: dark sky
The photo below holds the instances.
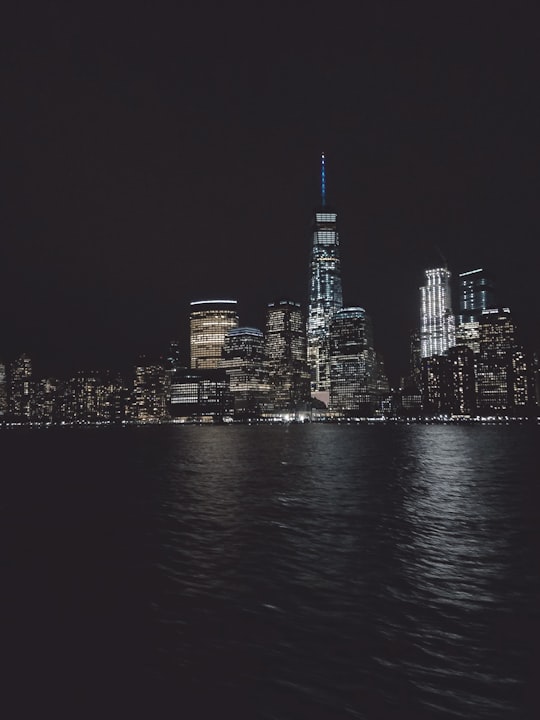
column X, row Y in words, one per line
column 153, row 154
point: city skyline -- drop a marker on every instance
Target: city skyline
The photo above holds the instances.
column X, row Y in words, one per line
column 152, row 162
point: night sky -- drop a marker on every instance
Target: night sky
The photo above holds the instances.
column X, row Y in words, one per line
column 154, row 154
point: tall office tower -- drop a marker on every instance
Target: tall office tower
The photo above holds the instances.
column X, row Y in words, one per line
column 475, row 294
column 503, row 373
column 325, row 291
column 244, row 362
column 20, row 388
column 3, row 390
column 209, row 322
column 150, row 392
column 462, row 380
column 437, row 324
column 354, row 366
column 286, row 356
column 448, row 383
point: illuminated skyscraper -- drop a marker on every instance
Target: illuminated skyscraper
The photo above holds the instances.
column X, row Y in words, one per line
column 475, row 294
column 504, row 373
column 3, row 390
column 353, row 363
column 209, row 322
column 285, row 344
column 244, row 363
column 20, row 391
column 325, row 291
column 437, row 323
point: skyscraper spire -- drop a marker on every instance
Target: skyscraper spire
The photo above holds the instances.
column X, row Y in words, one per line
column 323, row 182
column 325, row 293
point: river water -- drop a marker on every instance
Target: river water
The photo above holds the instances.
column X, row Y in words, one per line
column 279, row 572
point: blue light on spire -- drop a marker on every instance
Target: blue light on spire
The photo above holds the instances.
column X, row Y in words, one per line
column 323, row 181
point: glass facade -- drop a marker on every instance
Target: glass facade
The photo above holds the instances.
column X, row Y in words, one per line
column 210, row 320
column 286, row 357
column 353, row 363
column 325, row 290
column 244, row 362
column 437, row 323
column 503, row 374
column 475, row 294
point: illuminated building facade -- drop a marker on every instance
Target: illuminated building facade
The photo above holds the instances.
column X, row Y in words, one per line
column 210, row 320
column 437, row 323
column 354, row 367
column 475, row 294
column 20, row 388
column 286, row 357
column 462, row 380
column 503, row 374
column 150, row 392
column 3, row 390
column 200, row 396
column 244, row 362
column 325, row 291
column 436, row 385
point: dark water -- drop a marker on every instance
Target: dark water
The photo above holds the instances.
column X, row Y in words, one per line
column 271, row 572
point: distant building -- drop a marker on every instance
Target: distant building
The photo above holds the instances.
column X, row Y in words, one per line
column 20, row 388
column 462, row 380
column 286, row 356
column 200, row 396
column 476, row 293
column 243, row 359
column 325, row 290
column 504, row 374
column 3, row 391
column 210, row 320
column 150, row 392
column 436, row 385
column 437, row 323
column 354, row 366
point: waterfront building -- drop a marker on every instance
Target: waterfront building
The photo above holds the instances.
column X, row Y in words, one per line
column 3, row 391
column 475, row 294
column 354, row 366
column 150, row 392
column 209, row 322
column 20, row 388
column 437, row 323
column 200, row 396
column 462, row 380
column 436, row 382
column 503, row 374
column 325, row 289
column 43, row 401
column 286, row 357
column 243, row 359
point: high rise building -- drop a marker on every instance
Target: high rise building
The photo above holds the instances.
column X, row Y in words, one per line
column 286, row 356
column 3, row 390
column 244, row 362
column 325, row 290
column 504, row 374
column 437, row 323
column 354, row 366
column 150, row 392
column 20, row 388
column 475, row 294
column 209, row 322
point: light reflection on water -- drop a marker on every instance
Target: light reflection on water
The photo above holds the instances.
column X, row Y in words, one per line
column 296, row 571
